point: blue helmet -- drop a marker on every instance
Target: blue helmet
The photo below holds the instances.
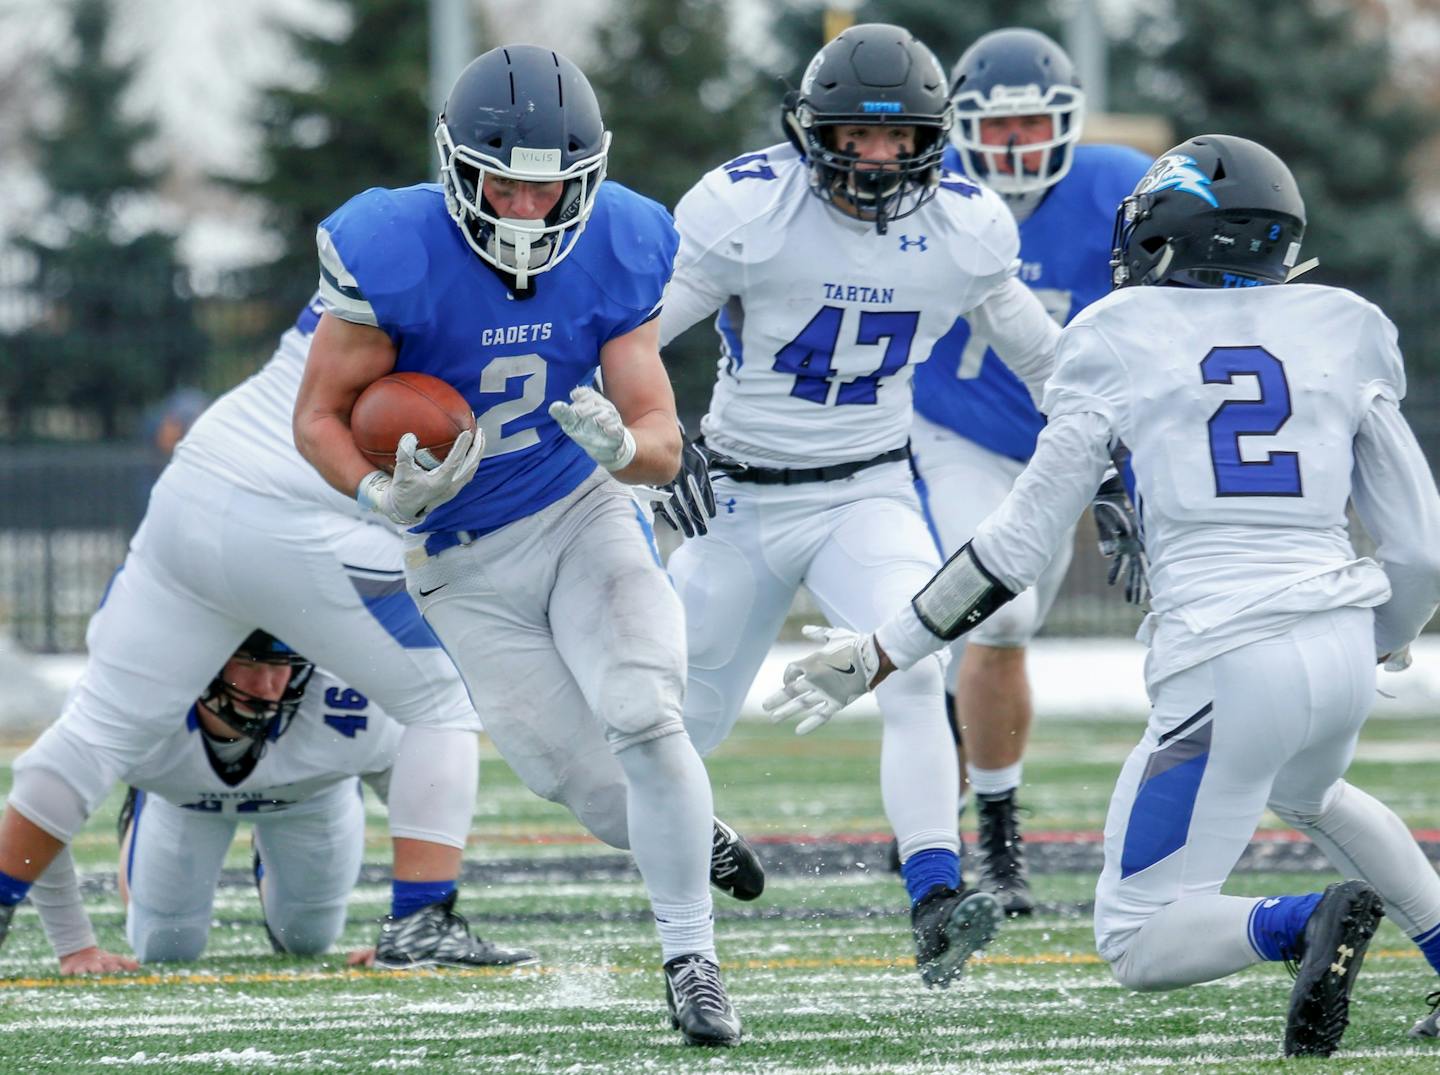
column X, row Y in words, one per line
column 251, row 716
column 1016, row 72
column 528, row 114
column 1215, row 211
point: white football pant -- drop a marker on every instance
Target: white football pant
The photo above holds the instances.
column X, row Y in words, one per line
column 210, row 564
column 311, row 854
column 572, row 642
column 1271, row 723
column 860, row 545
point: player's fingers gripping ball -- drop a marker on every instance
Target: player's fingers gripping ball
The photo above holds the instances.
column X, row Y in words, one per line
column 592, row 422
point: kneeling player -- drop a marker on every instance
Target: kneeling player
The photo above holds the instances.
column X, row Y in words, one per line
column 1255, row 414
column 273, row 741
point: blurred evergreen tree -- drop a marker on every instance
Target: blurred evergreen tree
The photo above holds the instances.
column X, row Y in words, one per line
column 115, row 325
column 947, row 27
column 363, row 122
column 1316, row 86
column 680, row 98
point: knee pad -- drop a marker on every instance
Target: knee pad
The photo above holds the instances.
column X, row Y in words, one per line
column 160, row 940
column 640, row 700
column 306, row 930
column 1129, row 973
column 596, row 795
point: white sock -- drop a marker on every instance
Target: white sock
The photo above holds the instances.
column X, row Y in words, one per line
column 994, row 781
column 685, row 928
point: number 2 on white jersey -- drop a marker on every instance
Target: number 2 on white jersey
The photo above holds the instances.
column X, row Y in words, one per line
column 1278, row 474
column 810, row 355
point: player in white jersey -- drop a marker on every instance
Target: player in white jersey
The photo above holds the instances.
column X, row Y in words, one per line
column 836, row 261
column 1255, row 413
column 240, row 531
column 1019, row 111
column 271, row 741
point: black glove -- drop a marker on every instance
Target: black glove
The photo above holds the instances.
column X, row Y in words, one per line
column 691, row 503
column 1119, row 539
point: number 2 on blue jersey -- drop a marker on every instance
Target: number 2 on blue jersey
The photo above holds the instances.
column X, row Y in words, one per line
column 1278, row 474
column 809, row 357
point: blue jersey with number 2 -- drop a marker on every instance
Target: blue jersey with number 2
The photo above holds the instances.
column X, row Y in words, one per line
column 452, row 316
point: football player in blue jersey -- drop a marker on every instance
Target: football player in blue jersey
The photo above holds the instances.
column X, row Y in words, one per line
column 517, row 278
column 1018, row 115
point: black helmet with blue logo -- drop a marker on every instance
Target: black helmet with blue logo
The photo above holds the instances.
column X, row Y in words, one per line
column 871, row 74
column 1216, row 211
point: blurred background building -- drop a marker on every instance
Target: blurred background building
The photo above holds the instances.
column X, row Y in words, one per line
column 165, row 163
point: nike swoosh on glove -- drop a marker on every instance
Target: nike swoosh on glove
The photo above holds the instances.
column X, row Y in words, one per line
column 592, row 422
column 820, row 684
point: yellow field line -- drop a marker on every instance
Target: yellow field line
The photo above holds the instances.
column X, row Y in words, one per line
column 1072, row 959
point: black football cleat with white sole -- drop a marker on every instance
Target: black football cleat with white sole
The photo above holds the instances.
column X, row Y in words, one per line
column 1333, row 947
column 734, row 866
column 949, row 928
column 435, row 936
column 1429, row 1027
column 699, row 1006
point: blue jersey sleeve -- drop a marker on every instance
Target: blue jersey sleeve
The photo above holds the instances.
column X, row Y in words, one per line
column 373, row 259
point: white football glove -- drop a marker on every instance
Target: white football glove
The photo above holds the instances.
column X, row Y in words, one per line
column 819, row 685
column 592, row 422
column 406, row 495
column 1397, row 661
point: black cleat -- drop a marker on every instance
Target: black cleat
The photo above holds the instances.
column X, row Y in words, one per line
column 949, row 928
column 1002, row 854
column 1429, row 1027
column 699, row 1006
column 7, row 912
column 435, row 936
column 734, row 866
column 1332, row 949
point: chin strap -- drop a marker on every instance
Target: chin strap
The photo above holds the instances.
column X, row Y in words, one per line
column 1301, row 269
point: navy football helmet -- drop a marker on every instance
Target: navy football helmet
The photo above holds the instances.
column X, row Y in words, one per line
column 247, row 714
column 871, row 74
column 1216, row 211
column 528, row 114
column 1016, row 72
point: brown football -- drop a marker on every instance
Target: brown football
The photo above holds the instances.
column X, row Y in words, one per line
column 401, row 403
